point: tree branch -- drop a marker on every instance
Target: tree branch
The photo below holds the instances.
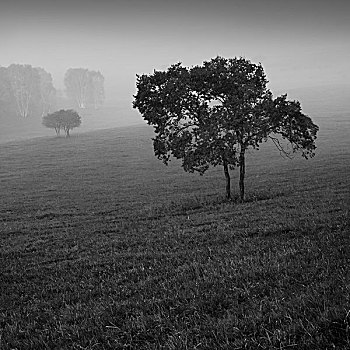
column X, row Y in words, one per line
column 280, row 148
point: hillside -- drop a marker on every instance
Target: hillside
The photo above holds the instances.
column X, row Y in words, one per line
column 103, row 247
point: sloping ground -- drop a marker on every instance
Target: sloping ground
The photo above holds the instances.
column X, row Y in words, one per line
column 102, row 247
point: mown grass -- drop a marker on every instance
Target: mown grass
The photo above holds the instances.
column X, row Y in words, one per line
column 102, row 247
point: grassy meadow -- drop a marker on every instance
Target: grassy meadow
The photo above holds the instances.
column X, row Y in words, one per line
column 103, row 247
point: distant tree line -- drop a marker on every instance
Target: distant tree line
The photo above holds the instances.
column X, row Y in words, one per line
column 27, row 90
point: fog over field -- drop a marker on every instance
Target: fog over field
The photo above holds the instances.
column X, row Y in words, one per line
column 104, row 247
column 302, row 45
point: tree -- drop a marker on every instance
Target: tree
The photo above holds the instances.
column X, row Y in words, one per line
column 84, row 87
column 211, row 114
column 47, row 91
column 52, row 121
column 26, row 90
column 24, row 82
column 7, row 103
column 96, row 89
column 62, row 120
column 76, row 81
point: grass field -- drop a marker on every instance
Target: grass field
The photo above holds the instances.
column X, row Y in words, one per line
column 103, row 247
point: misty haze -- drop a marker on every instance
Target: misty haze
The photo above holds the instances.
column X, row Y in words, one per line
column 174, row 175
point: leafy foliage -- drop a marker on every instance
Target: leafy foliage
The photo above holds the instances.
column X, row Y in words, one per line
column 62, row 120
column 289, row 122
column 186, row 126
column 211, row 114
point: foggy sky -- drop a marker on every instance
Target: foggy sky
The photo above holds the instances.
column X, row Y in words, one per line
column 299, row 42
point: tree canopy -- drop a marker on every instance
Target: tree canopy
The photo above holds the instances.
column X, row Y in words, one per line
column 47, row 91
column 84, row 87
column 211, row 114
column 24, row 82
column 26, row 90
column 62, row 120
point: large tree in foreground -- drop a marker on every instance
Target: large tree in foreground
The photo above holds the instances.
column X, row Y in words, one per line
column 211, row 114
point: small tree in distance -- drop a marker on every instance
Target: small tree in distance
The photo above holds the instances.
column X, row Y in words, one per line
column 62, row 120
column 211, row 114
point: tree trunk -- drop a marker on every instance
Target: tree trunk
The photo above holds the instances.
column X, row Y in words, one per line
column 67, row 133
column 241, row 172
column 228, row 180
